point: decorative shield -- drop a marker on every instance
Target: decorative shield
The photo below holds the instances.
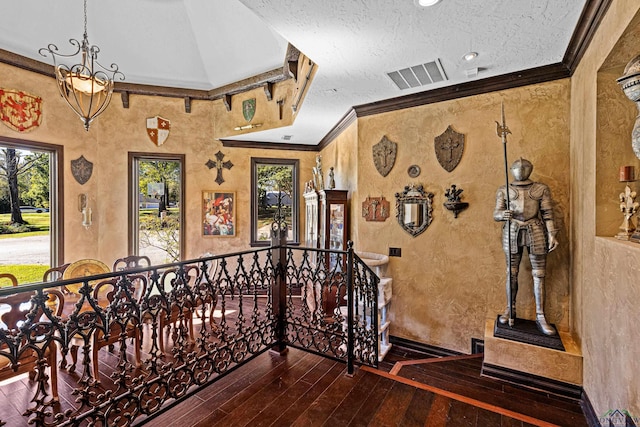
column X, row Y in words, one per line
column 376, row 209
column 158, row 129
column 384, row 155
column 19, row 110
column 449, row 147
column 249, row 109
column 81, row 169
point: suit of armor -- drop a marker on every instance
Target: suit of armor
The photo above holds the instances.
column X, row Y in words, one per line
column 528, row 222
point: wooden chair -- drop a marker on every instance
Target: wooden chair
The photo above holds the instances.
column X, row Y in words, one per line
column 168, row 280
column 107, row 293
column 18, row 306
column 11, row 277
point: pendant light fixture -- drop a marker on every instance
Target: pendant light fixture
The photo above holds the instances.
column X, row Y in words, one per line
column 86, row 86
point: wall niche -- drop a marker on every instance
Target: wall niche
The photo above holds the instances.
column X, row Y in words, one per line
column 615, row 118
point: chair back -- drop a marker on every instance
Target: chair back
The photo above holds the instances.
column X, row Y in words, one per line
column 10, row 277
column 54, row 273
column 20, row 305
column 131, row 262
column 106, row 291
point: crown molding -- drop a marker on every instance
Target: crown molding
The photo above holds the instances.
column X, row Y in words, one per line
column 347, row 120
column 590, row 19
column 476, row 87
column 268, row 145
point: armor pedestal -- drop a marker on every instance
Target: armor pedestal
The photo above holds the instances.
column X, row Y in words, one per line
column 527, row 331
column 534, row 366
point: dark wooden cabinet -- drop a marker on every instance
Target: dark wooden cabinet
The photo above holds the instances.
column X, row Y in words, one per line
column 327, row 221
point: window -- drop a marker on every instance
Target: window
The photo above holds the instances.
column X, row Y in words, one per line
column 38, row 183
column 273, row 180
column 156, row 214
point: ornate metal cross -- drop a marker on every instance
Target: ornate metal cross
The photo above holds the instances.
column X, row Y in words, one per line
column 219, row 164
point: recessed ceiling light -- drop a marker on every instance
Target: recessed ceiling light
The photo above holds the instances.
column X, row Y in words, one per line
column 470, row 56
column 427, row 3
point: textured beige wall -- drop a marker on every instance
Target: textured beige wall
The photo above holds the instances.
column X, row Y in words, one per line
column 342, row 154
column 107, row 144
column 450, row 279
column 605, row 271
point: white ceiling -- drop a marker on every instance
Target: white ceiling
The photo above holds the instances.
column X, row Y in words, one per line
column 205, row 44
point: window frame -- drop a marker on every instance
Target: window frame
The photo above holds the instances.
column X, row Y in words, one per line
column 56, row 191
column 134, row 159
column 295, row 202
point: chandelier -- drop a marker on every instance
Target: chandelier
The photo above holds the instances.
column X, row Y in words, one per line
column 87, row 87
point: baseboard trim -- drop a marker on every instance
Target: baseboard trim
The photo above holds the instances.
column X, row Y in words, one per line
column 588, row 411
column 425, row 348
column 533, row 382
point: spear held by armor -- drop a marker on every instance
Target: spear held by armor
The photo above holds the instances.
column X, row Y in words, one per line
column 502, row 131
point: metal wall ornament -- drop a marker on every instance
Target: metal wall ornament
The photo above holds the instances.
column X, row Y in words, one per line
column 81, row 169
column 414, row 209
column 449, row 147
column 158, row 129
column 19, row 110
column 453, row 203
column 219, row 165
column 384, row 155
column 376, row 209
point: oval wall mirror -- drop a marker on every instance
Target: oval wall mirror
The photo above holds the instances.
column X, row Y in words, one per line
column 414, row 209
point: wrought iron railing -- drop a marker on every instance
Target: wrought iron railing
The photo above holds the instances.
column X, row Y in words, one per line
column 133, row 342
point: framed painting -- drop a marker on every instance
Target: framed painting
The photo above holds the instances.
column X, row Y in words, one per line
column 219, row 213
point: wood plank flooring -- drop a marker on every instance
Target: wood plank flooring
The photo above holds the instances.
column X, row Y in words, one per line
column 302, row 389
column 410, row 388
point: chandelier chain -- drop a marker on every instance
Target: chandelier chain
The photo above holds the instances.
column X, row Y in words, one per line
column 85, row 19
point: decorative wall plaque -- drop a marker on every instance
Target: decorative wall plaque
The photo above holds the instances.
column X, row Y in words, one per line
column 81, row 169
column 413, row 171
column 449, row 147
column 249, row 109
column 384, row 155
column 19, row 110
column 375, row 209
column 219, row 164
column 158, row 129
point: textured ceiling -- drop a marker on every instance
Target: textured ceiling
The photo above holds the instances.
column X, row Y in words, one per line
column 203, row 44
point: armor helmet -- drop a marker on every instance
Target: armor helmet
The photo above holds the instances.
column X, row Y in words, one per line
column 521, row 169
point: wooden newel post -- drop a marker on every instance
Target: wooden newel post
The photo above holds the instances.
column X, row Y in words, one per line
column 279, row 289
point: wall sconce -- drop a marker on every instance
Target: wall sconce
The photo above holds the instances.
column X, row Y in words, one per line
column 83, row 207
column 249, row 126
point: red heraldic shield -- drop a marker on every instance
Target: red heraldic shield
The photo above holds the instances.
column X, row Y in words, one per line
column 158, row 129
column 19, row 110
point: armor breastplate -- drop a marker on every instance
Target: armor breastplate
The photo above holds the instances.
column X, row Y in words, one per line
column 523, row 203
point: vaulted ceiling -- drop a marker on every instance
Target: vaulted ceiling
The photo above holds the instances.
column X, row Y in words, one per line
column 203, row 44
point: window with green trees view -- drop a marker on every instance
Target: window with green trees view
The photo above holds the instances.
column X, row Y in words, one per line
column 156, row 216
column 274, row 181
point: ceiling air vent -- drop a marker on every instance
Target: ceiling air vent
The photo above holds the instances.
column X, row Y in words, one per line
column 418, row 75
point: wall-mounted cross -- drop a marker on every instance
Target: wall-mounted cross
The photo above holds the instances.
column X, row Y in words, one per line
column 219, row 164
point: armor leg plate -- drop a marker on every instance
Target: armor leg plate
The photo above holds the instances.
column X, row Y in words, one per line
column 538, row 291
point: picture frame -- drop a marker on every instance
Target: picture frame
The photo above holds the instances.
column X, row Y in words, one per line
column 219, row 213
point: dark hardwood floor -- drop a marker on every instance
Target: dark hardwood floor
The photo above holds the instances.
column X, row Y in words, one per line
column 302, row 389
